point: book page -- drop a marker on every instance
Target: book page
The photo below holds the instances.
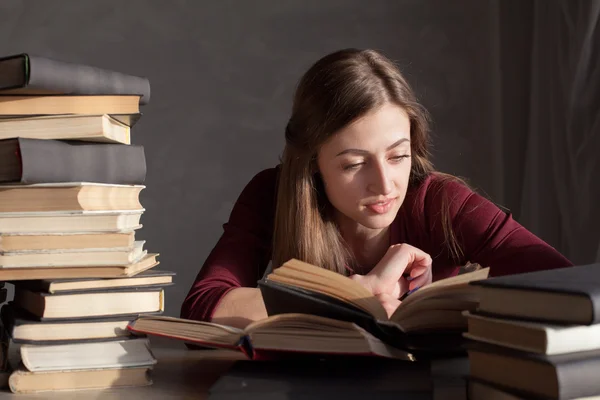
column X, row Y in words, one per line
column 454, row 288
column 310, row 277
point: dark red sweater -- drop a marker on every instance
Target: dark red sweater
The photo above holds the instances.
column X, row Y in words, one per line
column 488, row 236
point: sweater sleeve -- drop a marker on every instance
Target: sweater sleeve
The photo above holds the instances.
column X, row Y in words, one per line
column 241, row 255
column 487, row 235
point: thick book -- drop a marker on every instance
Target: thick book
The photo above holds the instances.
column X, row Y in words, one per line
column 88, row 128
column 70, row 196
column 79, row 271
column 556, row 377
column 133, row 352
column 30, row 161
column 34, row 74
column 280, row 336
column 65, row 241
column 534, row 337
column 23, row 381
column 568, row 295
column 436, row 309
column 65, row 222
column 73, row 257
column 90, row 304
column 64, row 104
column 153, row 277
column 23, row 329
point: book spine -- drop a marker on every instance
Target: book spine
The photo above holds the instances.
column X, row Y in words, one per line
column 245, row 346
column 10, row 160
column 595, row 300
column 71, row 78
column 53, row 161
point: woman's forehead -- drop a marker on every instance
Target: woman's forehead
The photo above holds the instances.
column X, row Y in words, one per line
column 376, row 130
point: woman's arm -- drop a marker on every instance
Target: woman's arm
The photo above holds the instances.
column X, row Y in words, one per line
column 240, row 307
column 238, row 260
column 488, row 235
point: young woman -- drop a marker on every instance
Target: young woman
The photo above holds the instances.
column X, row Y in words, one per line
column 356, row 193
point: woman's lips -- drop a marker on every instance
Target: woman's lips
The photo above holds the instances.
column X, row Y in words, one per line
column 381, row 207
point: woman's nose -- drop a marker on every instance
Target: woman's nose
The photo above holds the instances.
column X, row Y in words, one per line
column 380, row 180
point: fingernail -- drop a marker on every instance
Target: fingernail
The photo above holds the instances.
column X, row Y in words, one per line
column 405, row 295
column 416, row 288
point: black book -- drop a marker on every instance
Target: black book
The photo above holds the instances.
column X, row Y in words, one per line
column 31, row 161
column 31, row 74
column 558, row 377
column 568, row 295
column 428, row 320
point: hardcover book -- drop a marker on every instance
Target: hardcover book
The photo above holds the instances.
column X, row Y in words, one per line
column 33, row 74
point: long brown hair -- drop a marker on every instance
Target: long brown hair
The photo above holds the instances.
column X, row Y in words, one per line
column 335, row 91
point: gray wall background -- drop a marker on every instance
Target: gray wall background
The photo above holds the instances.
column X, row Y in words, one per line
column 223, row 74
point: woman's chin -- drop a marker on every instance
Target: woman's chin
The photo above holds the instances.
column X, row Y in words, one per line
column 377, row 222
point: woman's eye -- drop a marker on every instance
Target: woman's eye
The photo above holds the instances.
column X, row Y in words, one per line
column 399, row 158
column 352, row 166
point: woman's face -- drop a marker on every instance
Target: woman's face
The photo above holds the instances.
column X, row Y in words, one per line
column 366, row 166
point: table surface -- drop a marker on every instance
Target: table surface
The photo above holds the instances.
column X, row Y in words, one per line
column 179, row 374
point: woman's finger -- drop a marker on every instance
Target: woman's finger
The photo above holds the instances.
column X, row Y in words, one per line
column 400, row 259
column 421, row 263
column 415, row 272
column 420, row 280
column 389, row 303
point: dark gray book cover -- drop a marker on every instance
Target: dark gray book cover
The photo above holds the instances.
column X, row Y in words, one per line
column 30, row 161
column 582, row 280
column 576, row 373
column 37, row 73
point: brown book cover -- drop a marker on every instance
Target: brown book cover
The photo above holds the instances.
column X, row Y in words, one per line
column 70, row 196
column 91, row 304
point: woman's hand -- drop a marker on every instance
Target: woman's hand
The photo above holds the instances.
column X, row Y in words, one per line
column 402, row 268
column 389, row 303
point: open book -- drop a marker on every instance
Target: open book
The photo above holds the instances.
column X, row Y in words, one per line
column 313, row 310
column 276, row 336
column 299, row 287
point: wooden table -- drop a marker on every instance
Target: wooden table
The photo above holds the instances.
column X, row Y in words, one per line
column 189, row 374
column 179, row 374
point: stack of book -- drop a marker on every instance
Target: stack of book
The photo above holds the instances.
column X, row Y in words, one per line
column 70, row 183
column 536, row 336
